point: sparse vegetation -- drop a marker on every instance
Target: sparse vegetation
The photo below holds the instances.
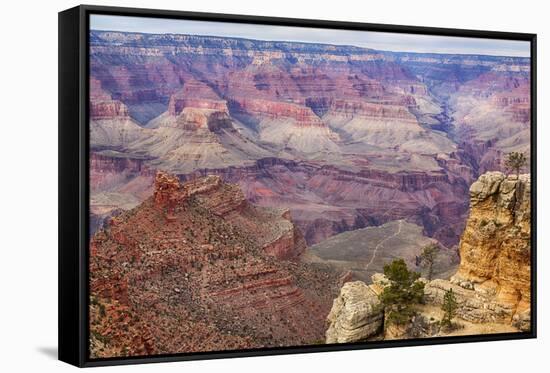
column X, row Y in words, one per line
column 515, row 162
column 427, row 258
column 449, row 308
column 402, row 293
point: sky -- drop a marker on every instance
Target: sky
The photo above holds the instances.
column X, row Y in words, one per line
column 376, row 40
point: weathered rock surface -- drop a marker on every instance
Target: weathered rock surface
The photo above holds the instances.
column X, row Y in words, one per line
column 193, row 268
column 420, row 326
column 493, row 281
column 475, row 306
column 355, row 315
column 491, row 286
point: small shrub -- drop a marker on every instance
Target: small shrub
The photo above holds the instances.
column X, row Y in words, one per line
column 449, row 308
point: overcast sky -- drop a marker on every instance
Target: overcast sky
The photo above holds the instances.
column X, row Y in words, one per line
column 376, row 40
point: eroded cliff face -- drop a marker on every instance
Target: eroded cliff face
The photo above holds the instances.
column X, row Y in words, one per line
column 195, row 267
column 355, row 315
column 493, row 281
column 495, row 248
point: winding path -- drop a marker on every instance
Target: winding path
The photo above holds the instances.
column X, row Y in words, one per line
column 382, row 242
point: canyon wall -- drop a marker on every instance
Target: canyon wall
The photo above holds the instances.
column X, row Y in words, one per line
column 344, row 137
column 195, row 267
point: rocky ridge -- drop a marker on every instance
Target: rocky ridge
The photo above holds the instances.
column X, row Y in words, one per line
column 195, row 267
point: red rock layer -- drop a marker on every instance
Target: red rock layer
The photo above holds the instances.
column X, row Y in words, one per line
column 201, row 280
column 106, row 171
column 303, row 115
column 385, row 111
column 197, row 95
column 108, row 110
column 516, row 102
column 102, row 106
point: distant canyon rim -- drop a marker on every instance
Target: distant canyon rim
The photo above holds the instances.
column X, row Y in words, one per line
column 342, row 136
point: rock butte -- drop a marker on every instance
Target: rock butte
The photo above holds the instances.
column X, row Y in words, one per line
column 195, row 267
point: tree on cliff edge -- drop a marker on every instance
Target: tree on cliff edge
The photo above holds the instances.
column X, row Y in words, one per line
column 515, row 161
column 402, row 293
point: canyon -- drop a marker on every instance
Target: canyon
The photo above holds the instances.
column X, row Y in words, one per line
column 240, row 188
column 342, row 136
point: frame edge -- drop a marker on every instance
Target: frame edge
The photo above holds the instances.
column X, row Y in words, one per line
column 73, row 189
column 69, row 248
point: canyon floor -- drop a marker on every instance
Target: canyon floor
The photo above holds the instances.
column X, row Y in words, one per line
column 365, row 251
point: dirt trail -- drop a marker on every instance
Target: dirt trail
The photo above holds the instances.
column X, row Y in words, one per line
column 382, row 242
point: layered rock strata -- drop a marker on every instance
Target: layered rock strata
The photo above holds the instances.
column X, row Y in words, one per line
column 197, row 268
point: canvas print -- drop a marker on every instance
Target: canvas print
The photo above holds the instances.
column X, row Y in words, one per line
column 257, row 186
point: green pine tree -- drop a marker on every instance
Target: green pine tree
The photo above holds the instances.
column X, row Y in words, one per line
column 515, row 161
column 402, row 293
column 449, row 308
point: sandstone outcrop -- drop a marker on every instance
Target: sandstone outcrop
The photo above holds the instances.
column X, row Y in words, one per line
column 495, row 248
column 493, row 281
column 355, row 315
column 475, row 306
column 420, row 326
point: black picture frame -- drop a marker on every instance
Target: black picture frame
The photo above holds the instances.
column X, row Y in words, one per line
column 74, row 183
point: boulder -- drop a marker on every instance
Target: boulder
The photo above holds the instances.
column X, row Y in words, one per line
column 355, row 315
